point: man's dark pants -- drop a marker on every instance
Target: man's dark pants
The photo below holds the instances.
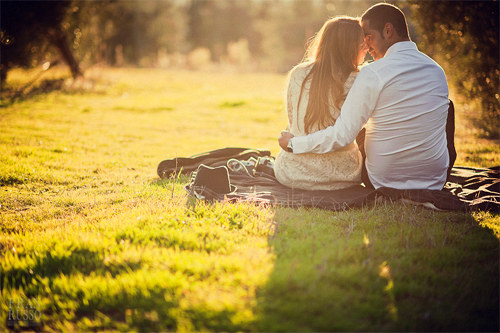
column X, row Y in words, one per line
column 450, row 138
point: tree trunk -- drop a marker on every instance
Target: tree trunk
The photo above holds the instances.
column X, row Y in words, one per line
column 59, row 40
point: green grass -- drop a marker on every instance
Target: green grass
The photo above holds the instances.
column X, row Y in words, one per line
column 91, row 239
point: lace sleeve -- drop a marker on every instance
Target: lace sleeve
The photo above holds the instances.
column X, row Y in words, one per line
column 289, row 104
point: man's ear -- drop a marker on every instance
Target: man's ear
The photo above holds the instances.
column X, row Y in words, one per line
column 388, row 30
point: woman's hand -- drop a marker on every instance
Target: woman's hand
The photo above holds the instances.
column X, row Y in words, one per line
column 284, row 138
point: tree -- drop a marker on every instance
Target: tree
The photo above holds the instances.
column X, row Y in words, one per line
column 466, row 35
column 28, row 29
column 213, row 24
column 124, row 32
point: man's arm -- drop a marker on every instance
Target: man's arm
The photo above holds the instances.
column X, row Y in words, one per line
column 355, row 112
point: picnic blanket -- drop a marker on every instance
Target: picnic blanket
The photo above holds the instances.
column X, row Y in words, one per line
column 467, row 189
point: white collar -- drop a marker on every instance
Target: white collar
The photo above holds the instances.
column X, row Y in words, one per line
column 401, row 46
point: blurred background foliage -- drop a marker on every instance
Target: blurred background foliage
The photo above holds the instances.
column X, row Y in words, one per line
column 245, row 35
column 463, row 36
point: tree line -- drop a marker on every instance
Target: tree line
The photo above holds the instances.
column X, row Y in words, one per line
column 264, row 35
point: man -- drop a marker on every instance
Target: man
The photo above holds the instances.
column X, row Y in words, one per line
column 402, row 98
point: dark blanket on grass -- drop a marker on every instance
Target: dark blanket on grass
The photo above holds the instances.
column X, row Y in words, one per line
column 467, row 189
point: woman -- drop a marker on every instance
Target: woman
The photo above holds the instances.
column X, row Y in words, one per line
column 316, row 90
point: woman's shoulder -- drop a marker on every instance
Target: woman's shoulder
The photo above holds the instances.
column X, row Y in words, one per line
column 302, row 68
column 299, row 73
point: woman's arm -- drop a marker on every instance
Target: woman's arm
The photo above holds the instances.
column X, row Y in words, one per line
column 289, row 101
column 289, row 107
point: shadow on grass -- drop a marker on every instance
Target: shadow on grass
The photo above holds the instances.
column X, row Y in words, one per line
column 11, row 95
column 171, row 182
column 398, row 268
column 50, row 265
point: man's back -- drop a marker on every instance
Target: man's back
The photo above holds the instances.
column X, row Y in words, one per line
column 405, row 136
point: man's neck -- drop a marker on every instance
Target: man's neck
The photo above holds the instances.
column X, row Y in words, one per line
column 400, row 39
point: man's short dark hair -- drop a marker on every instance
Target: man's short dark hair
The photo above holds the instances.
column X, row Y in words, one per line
column 383, row 13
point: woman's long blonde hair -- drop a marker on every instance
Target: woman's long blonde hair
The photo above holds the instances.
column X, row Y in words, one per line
column 333, row 52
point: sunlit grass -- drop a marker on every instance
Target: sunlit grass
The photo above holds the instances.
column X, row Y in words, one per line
column 472, row 150
column 89, row 231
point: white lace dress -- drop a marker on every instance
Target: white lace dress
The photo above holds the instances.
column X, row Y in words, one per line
column 330, row 171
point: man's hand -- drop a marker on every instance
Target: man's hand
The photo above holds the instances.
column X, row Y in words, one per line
column 284, row 138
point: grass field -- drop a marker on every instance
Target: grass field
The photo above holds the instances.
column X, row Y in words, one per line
column 92, row 240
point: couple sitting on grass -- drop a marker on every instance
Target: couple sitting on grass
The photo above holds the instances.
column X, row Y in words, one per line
column 389, row 124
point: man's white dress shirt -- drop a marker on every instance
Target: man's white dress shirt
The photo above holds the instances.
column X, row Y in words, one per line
column 403, row 100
